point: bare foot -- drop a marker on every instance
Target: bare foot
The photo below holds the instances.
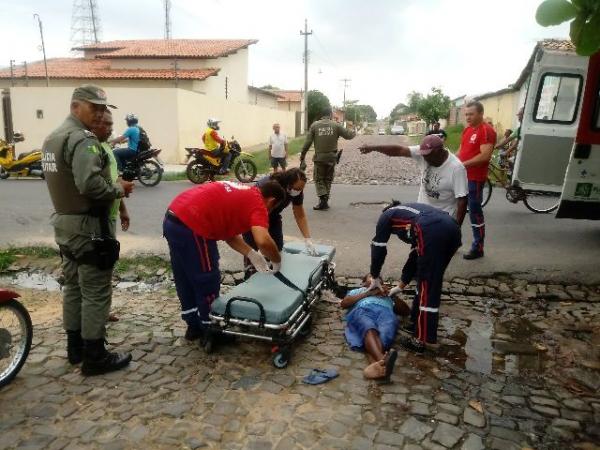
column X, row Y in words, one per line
column 375, row 371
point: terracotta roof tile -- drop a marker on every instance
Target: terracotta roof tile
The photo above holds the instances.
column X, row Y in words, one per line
column 289, row 96
column 171, row 48
column 557, row 44
column 80, row 68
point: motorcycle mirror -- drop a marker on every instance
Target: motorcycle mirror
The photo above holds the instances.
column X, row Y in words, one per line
column 18, row 137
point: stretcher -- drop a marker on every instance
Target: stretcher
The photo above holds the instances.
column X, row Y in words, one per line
column 275, row 308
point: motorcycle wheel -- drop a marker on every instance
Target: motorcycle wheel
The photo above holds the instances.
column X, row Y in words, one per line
column 4, row 174
column 245, row 170
column 150, row 173
column 197, row 173
column 16, row 333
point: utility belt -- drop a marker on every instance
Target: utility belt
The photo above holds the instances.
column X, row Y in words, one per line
column 106, row 248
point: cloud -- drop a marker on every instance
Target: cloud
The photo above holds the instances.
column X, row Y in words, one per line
column 388, row 48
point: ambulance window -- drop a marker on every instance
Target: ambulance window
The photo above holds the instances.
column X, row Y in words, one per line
column 558, row 98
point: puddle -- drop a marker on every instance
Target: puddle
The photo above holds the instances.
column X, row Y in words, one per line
column 481, row 344
column 40, row 281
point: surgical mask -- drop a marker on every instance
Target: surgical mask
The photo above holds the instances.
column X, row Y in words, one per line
column 294, row 192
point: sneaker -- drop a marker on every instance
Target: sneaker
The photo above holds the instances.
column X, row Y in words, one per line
column 473, row 254
column 412, row 344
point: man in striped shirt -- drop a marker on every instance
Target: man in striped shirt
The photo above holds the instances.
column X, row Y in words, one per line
column 434, row 237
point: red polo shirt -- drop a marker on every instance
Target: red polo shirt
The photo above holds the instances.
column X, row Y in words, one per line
column 221, row 210
column 470, row 146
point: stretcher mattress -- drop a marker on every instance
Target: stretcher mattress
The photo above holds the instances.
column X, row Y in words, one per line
column 278, row 300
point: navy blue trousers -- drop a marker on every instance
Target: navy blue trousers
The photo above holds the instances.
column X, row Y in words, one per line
column 436, row 244
column 476, row 214
column 195, row 263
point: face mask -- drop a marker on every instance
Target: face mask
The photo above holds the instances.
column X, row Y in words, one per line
column 294, row 193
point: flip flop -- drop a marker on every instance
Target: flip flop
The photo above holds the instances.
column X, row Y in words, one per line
column 390, row 361
column 318, row 376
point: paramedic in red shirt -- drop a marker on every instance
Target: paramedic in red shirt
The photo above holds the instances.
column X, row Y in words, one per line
column 199, row 217
column 476, row 147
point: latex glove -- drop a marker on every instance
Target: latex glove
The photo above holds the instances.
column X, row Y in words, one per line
column 310, row 247
column 258, row 261
column 397, row 289
column 276, row 267
column 302, row 165
column 375, row 284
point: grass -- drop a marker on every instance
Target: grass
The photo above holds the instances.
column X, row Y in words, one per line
column 9, row 255
column 143, row 264
column 454, row 134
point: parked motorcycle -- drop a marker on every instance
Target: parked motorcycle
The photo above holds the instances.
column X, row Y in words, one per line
column 204, row 166
column 16, row 333
column 145, row 167
column 27, row 164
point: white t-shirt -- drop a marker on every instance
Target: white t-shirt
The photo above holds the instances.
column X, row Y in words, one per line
column 277, row 142
column 441, row 186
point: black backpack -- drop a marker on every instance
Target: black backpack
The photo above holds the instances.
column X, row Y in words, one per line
column 144, row 143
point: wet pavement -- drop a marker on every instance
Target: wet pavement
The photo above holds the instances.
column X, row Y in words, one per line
column 518, row 367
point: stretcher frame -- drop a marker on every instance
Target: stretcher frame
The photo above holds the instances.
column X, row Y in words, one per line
column 281, row 335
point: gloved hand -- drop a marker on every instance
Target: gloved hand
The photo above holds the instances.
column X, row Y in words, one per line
column 302, row 165
column 396, row 289
column 258, row 261
column 310, row 247
column 375, row 284
column 276, row 267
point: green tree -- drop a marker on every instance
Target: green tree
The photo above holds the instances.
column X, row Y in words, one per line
column 398, row 110
column 434, row 107
column 585, row 21
column 360, row 113
column 317, row 101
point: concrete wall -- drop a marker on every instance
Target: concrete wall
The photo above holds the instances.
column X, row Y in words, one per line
column 502, row 109
column 174, row 118
column 262, row 99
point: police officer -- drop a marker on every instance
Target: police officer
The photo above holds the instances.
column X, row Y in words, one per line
column 324, row 133
column 77, row 173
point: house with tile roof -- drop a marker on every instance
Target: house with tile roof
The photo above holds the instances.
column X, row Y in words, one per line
column 173, row 85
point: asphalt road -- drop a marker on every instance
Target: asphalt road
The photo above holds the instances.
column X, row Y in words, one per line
column 537, row 247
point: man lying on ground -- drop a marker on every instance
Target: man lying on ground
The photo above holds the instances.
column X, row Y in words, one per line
column 371, row 326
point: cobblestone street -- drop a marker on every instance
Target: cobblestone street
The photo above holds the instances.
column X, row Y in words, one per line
column 517, row 368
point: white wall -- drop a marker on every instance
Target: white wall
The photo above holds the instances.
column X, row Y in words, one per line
column 174, row 118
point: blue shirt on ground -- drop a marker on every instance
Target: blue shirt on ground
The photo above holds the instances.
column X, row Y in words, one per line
column 385, row 302
column 133, row 137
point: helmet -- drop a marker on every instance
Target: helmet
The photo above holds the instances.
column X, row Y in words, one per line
column 131, row 119
column 213, row 123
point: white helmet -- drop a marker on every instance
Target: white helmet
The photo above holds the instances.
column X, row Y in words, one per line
column 213, row 123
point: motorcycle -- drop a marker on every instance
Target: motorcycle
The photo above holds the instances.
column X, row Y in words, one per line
column 204, row 166
column 16, row 333
column 27, row 164
column 145, row 167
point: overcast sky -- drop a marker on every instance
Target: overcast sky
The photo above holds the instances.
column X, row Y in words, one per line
column 388, row 48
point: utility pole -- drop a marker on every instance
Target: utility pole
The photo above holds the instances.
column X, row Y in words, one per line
column 167, row 19
column 37, row 16
column 346, row 82
column 306, row 33
column 12, row 72
column 26, row 73
column 94, row 30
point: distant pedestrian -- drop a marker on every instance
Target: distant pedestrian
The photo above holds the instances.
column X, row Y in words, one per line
column 278, row 148
column 476, row 148
column 438, row 131
column 324, row 134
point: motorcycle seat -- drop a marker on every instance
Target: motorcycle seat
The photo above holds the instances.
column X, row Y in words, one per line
column 145, row 154
column 23, row 155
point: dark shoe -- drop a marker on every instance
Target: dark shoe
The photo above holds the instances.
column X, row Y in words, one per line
column 322, row 205
column 192, row 333
column 74, row 347
column 97, row 360
column 412, row 344
column 409, row 328
column 473, row 254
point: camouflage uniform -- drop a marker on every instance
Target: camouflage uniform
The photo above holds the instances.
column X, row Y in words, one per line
column 324, row 134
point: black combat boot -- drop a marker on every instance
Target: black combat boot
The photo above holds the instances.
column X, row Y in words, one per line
column 74, row 346
column 97, row 360
column 322, row 206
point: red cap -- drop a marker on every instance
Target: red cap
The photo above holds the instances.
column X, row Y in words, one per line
column 430, row 143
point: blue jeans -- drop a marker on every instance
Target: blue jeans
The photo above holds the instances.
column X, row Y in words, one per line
column 122, row 155
column 476, row 214
column 195, row 263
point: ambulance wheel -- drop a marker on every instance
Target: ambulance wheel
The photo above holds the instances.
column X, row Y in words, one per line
column 281, row 359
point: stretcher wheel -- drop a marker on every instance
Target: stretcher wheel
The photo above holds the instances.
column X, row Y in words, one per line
column 281, row 359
